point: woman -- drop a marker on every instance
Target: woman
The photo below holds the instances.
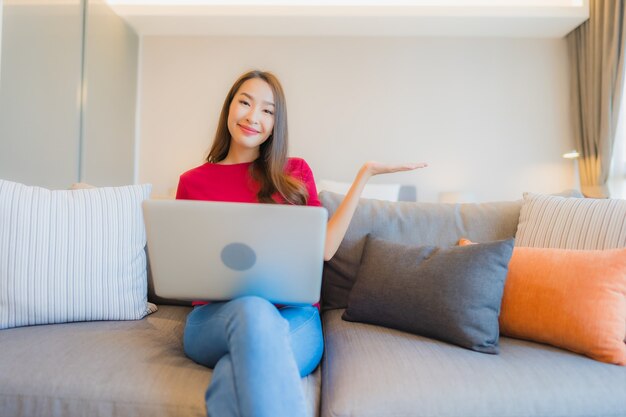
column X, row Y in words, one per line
column 259, row 351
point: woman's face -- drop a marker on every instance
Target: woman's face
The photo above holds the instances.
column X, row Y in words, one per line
column 251, row 115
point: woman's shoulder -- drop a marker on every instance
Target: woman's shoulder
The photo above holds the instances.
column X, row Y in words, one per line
column 298, row 168
column 297, row 165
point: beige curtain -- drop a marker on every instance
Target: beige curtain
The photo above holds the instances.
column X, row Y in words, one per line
column 597, row 61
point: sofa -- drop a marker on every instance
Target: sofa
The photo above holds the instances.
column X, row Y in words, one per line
column 138, row 368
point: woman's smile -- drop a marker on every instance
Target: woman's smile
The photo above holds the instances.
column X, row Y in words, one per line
column 247, row 130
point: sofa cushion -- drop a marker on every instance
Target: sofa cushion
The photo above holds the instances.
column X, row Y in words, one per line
column 116, row 368
column 410, row 223
column 71, row 255
column 571, row 223
column 450, row 294
column 371, row 371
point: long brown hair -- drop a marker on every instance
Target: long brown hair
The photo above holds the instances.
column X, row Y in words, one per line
column 269, row 168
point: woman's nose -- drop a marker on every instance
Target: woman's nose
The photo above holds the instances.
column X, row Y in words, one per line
column 252, row 117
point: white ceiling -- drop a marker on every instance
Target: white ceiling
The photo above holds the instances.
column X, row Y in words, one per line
column 454, row 18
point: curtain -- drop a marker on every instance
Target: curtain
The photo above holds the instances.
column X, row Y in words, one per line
column 597, row 68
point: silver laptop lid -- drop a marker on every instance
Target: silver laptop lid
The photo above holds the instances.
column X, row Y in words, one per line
column 202, row 250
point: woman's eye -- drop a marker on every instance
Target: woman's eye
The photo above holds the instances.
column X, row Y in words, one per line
column 269, row 112
column 244, row 102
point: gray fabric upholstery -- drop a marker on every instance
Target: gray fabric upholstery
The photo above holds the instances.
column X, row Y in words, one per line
column 409, row 223
column 97, row 369
column 371, row 371
column 451, row 294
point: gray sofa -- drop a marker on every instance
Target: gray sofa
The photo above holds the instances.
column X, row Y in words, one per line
column 138, row 368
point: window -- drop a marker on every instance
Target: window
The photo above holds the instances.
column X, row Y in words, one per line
column 617, row 175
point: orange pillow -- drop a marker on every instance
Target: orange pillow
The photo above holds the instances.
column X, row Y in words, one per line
column 573, row 299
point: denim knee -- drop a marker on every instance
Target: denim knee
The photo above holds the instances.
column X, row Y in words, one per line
column 257, row 315
column 307, row 340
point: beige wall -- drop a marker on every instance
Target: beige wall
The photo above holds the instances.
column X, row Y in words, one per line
column 110, row 77
column 67, row 94
column 1, row 8
column 40, row 92
column 489, row 115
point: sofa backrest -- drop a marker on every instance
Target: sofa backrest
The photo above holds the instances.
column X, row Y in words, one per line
column 412, row 223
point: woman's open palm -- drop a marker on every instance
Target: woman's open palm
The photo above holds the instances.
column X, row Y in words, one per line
column 375, row 168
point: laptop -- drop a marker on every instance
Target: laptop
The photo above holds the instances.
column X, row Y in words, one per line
column 216, row 251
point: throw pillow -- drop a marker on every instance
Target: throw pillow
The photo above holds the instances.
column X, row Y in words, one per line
column 571, row 223
column 415, row 224
column 572, row 299
column 71, row 255
column 450, row 294
column 152, row 308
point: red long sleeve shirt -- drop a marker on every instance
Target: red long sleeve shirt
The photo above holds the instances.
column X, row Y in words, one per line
column 216, row 182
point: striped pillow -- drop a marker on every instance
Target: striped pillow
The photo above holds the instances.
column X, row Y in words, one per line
column 71, row 255
column 571, row 223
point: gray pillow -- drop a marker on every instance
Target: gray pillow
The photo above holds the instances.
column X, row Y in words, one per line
column 414, row 224
column 450, row 294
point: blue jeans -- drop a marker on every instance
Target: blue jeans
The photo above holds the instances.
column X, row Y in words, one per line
column 258, row 352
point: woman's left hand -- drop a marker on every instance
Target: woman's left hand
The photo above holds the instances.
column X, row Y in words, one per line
column 375, row 168
column 340, row 220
